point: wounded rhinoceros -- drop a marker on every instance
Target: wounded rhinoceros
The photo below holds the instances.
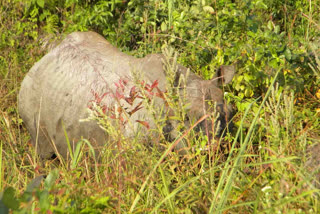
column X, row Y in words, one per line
column 86, row 69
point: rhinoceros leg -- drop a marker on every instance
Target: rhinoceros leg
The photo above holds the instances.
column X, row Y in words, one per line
column 40, row 137
column 29, row 105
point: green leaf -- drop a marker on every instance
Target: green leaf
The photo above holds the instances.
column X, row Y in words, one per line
column 40, row 3
column 248, row 92
column 287, row 54
column 35, row 183
column 274, row 63
column 143, row 29
column 9, row 199
column 163, row 26
column 270, row 25
column 239, row 79
column 44, row 200
column 102, row 202
column 261, row 5
column 277, row 29
column 247, row 77
column 50, row 180
column 251, row 34
column 208, row 9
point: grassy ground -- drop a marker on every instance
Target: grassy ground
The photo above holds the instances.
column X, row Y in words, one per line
column 268, row 164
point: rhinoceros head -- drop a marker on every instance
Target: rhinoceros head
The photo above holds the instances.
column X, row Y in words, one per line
column 203, row 97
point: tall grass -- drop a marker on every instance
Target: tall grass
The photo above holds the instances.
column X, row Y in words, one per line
column 262, row 170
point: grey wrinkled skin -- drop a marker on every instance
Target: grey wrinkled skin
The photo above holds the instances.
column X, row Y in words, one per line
column 55, row 94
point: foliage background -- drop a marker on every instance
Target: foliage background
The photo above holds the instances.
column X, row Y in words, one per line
column 261, row 37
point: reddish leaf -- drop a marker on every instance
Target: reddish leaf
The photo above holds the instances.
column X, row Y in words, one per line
column 118, row 95
column 125, row 81
column 98, row 99
column 119, row 110
column 133, row 92
column 147, row 87
column 137, row 108
column 144, row 123
column 119, row 86
column 132, row 97
column 129, row 100
column 61, row 191
column 160, row 94
column 104, row 109
column 154, row 84
column 37, row 169
column 105, row 94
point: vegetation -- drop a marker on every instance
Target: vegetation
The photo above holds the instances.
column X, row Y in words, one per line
column 266, row 165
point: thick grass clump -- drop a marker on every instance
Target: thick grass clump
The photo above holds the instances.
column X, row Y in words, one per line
column 258, row 169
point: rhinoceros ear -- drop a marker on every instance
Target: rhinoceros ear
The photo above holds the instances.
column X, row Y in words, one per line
column 226, row 73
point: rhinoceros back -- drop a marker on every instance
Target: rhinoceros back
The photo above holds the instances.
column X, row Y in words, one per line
column 57, row 90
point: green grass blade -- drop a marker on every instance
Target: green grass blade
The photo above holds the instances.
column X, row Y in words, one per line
column 166, row 190
column 172, row 145
column 229, row 181
column 68, row 141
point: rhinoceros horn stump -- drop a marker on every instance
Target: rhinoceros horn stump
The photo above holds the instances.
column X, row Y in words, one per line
column 55, row 94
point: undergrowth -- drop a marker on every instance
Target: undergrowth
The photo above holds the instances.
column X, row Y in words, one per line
column 268, row 164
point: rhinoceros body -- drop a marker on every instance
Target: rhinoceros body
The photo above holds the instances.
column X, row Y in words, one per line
column 56, row 93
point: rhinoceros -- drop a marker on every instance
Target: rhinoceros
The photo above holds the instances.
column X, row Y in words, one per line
column 58, row 92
